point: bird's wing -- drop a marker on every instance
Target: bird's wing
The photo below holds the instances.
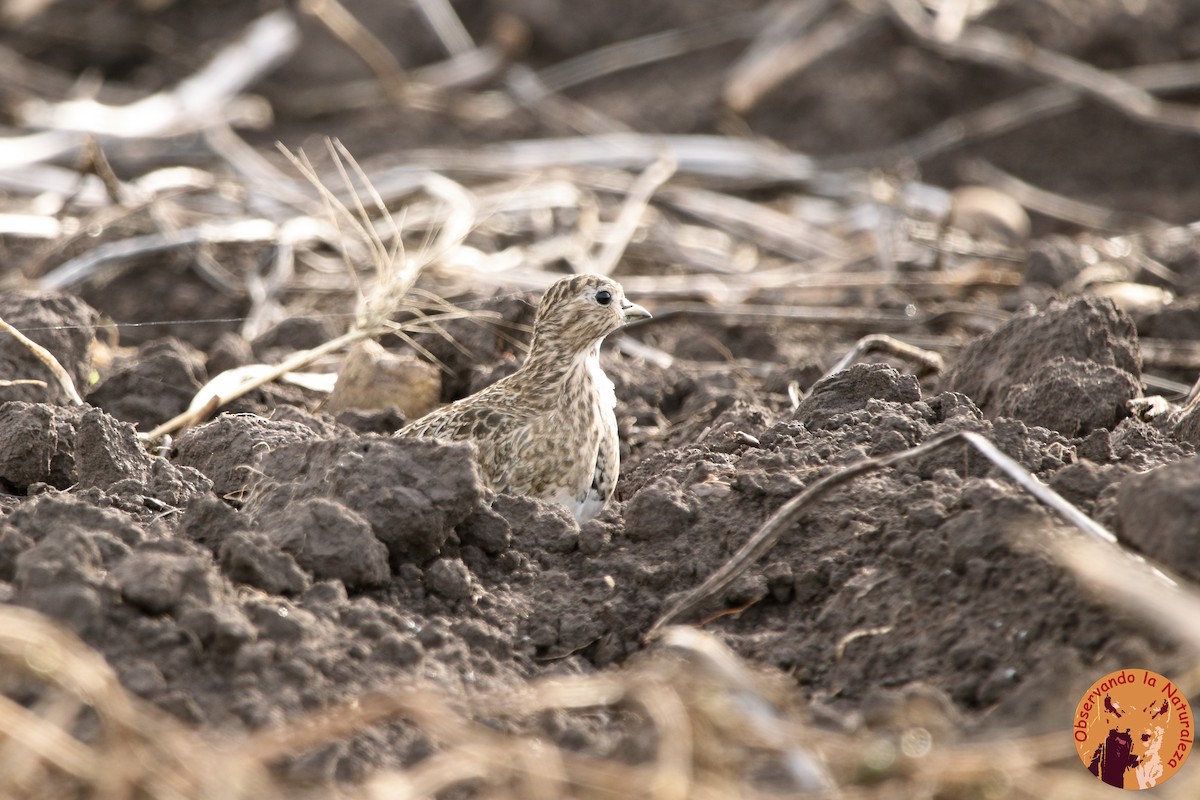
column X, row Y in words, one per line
column 499, row 435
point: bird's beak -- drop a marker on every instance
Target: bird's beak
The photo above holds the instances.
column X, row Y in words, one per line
column 632, row 311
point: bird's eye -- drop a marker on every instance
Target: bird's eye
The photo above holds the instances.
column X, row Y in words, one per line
column 603, row 297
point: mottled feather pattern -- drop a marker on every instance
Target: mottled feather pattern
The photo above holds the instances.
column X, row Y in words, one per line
column 550, row 429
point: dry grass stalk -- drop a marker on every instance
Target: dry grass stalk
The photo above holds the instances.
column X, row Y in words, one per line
column 192, row 105
column 714, row 723
column 373, row 53
column 396, row 273
column 927, row 359
column 815, row 34
column 46, row 357
column 634, row 207
column 783, row 519
column 984, row 45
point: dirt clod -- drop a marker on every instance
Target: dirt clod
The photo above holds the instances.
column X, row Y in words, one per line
column 1158, row 512
column 289, row 554
column 1070, row 367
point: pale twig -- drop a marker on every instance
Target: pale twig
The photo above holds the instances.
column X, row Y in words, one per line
column 80, row 268
column 46, row 357
column 526, row 88
column 96, row 163
column 787, row 234
column 34, row 148
column 265, row 291
column 209, row 95
column 446, row 25
column 951, row 18
column 747, row 160
column 634, row 207
column 1055, row 205
column 292, row 364
column 36, row 226
column 929, row 360
column 1012, row 113
column 369, row 49
column 753, row 78
column 1170, row 354
column 1135, row 587
column 25, row 729
column 87, row 191
column 782, row 23
column 648, row 49
column 782, row 520
column 269, row 186
column 987, row 46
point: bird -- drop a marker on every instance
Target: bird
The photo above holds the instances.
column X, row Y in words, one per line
column 549, row 430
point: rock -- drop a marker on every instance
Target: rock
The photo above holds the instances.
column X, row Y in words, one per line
column 107, row 451
column 851, row 389
column 209, row 522
column 449, row 578
column 1053, row 261
column 658, row 511
column 62, row 576
column 412, row 492
column 221, row 627
column 252, row 558
column 989, row 214
column 227, row 450
column 158, row 583
column 487, row 530
column 1070, row 367
column 1159, row 513
column 1072, row 397
column 37, row 444
column 281, row 622
column 372, row 378
column 152, row 386
column 547, row 524
column 330, row 541
column 113, row 532
column 398, row 649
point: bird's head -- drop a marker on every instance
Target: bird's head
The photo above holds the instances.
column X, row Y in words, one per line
column 578, row 311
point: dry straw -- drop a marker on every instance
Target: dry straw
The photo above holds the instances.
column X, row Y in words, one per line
column 822, row 249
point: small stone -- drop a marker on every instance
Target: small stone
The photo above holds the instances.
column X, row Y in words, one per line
column 781, row 582
column 658, row 512
column 449, row 578
column 487, row 530
column 399, row 649
column 327, row 598
column 594, row 536
column 433, row 635
column 252, row 558
column 374, row 378
column 159, row 582
column 222, row 628
column 142, row 678
column 331, row 541
column 254, row 657
column 282, row 623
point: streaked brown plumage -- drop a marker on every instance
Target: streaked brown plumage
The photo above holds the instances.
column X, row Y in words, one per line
column 549, row 430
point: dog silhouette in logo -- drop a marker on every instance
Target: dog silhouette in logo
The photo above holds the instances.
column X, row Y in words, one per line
column 1134, row 739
